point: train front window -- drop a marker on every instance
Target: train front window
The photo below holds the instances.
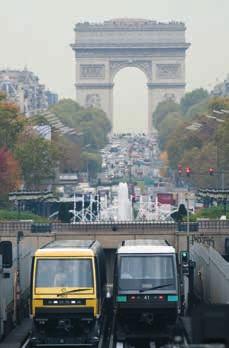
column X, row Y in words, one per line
column 147, row 272
column 74, row 273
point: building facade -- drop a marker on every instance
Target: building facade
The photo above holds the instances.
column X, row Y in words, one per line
column 23, row 88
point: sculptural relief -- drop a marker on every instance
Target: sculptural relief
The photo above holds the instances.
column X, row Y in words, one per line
column 168, row 71
column 169, row 96
column 92, row 71
column 93, row 101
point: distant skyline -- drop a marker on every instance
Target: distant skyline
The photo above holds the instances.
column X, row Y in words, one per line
column 38, row 34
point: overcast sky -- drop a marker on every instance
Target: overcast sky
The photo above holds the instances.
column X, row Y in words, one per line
column 37, row 33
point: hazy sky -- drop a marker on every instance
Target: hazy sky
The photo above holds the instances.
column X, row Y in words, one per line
column 37, row 33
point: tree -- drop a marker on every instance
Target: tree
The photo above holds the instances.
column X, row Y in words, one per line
column 202, row 147
column 11, row 123
column 221, row 142
column 94, row 127
column 2, row 96
column 197, row 110
column 9, row 172
column 170, row 123
column 91, row 163
column 38, row 158
column 199, row 160
column 163, row 109
column 192, row 98
column 218, row 103
column 180, row 141
column 70, row 154
column 91, row 122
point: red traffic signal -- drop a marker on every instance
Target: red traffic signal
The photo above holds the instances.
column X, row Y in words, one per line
column 211, row 171
column 179, row 169
column 188, row 171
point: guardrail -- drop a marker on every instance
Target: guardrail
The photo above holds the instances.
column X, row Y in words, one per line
column 201, row 226
column 115, row 226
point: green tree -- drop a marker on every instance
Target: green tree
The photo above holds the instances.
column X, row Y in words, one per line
column 163, row 109
column 91, row 163
column 170, row 123
column 192, row 98
column 70, row 154
column 197, row 110
column 91, row 122
column 38, row 159
column 180, row 141
column 94, row 127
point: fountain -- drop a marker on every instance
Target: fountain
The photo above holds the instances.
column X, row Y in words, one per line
column 124, row 204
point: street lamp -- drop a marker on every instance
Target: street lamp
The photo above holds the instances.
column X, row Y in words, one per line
column 188, row 221
column 85, row 147
column 196, row 126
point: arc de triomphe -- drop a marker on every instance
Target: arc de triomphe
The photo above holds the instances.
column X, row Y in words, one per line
column 101, row 50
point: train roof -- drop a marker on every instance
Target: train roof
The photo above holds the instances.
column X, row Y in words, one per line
column 69, row 244
column 145, row 246
column 69, row 248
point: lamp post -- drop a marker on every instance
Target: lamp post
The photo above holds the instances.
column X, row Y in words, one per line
column 197, row 126
column 86, row 147
column 20, row 235
column 188, row 221
column 220, row 172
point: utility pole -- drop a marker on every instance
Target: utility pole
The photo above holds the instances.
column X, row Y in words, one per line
column 18, row 281
column 188, row 221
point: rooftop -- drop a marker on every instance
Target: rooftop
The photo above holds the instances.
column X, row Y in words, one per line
column 130, row 23
column 146, row 246
column 69, row 244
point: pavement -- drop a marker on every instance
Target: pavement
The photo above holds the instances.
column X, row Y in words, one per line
column 18, row 335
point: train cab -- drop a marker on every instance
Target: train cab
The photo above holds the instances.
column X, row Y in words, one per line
column 146, row 288
column 68, row 293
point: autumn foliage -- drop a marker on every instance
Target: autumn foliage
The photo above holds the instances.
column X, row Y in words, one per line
column 9, row 172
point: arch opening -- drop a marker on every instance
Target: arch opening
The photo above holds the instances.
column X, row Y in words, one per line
column 130, row 112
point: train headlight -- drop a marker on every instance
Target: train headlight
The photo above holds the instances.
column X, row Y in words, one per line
column 41, row 321
column 95, row 339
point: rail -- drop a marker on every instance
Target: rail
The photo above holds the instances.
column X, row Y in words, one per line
column 201, row 226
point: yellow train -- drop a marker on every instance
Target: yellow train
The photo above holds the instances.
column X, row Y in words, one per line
column 68, row 294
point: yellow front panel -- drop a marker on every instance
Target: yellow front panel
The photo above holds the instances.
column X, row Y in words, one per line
column 41, row 293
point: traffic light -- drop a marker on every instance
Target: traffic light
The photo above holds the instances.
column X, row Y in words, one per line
column 184, row 260
column 211, row 171
column 184, row 256
column 188, row 171
column 179, row 169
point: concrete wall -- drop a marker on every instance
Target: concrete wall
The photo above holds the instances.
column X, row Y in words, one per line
column 211, row 274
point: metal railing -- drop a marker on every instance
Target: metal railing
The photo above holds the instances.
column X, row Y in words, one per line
column 201, row 226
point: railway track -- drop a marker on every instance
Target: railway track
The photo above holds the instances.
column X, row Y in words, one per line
column 26, row 344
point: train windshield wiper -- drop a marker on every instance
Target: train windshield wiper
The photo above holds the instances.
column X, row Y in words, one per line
column 72, row 291
column 156, row 287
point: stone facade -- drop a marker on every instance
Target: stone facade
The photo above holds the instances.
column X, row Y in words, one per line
column 102, row 50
